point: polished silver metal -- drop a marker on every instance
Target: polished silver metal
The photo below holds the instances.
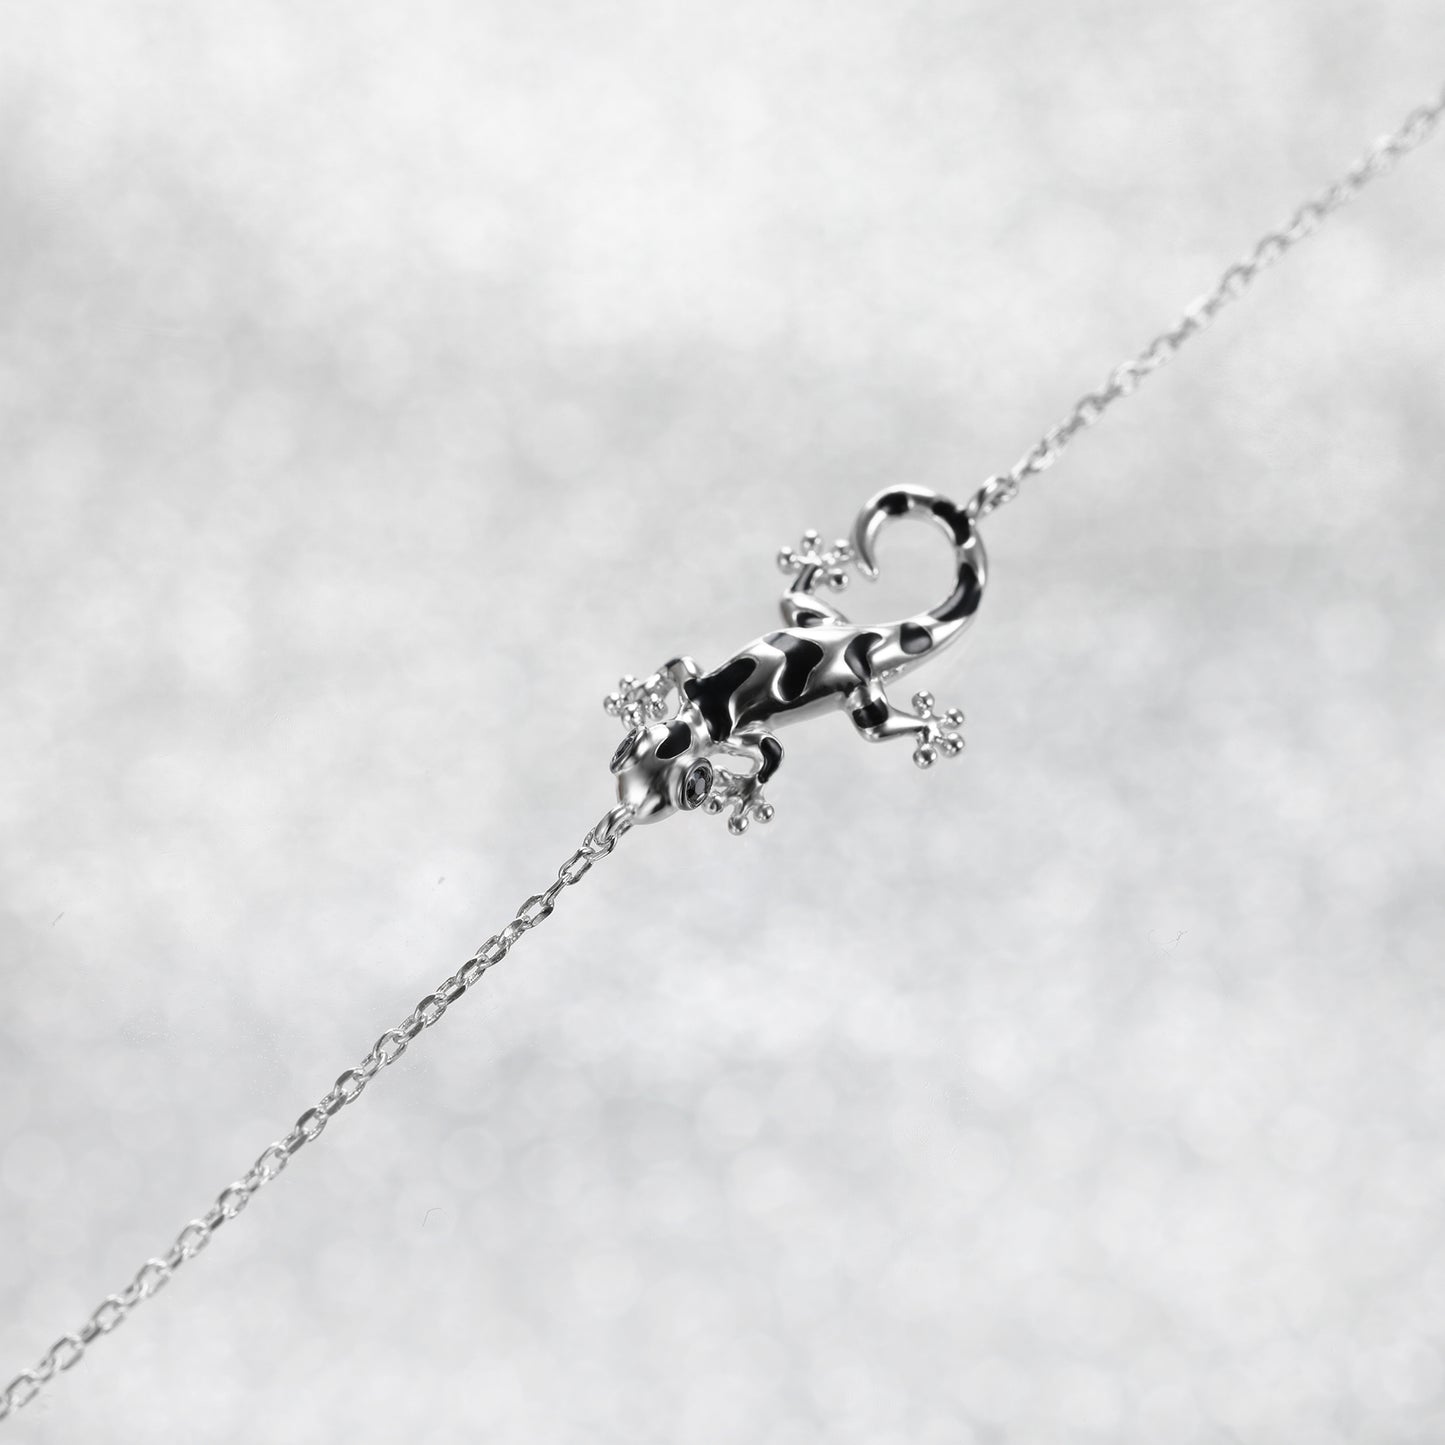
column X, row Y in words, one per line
column 155, row 1273
column 718, row 748
column 1382, row 157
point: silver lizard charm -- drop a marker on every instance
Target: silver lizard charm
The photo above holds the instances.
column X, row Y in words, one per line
column 817, row 662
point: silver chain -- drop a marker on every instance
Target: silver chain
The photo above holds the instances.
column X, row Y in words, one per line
column 1236, row 280
column 68, row 1350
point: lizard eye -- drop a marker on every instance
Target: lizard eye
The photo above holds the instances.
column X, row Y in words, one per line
column 624, row 751
column 697, row 785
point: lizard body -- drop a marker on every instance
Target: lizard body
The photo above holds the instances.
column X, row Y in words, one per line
column 817, row 662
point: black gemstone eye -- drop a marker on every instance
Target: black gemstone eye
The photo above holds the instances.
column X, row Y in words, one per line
column 696, row 785
column 624, row 751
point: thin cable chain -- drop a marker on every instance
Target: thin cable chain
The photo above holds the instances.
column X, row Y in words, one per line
column 1197, row 316
column 67, row 1351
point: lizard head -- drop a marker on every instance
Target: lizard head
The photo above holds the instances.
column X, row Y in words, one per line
column 662, row 768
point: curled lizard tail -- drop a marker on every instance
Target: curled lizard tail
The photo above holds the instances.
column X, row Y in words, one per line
column 913, row 638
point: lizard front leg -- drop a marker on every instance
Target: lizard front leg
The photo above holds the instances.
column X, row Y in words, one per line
column 744, row 791
column 643, row 701
column 680, row 670
column 878, row 720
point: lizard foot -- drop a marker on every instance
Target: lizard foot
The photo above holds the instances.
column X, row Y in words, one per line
column 941, row 737
column 832, row 562
column 637, row 702
column 745, row 797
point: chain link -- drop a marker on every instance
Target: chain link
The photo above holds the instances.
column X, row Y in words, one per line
column 154, row 1274
column 1125, row 378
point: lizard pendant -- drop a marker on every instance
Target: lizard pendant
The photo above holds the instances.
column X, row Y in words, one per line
column 719, row 749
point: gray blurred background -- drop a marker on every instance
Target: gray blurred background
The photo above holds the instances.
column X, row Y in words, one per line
column 378, row 382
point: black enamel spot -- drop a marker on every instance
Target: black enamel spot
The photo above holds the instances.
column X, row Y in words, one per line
column 965, row 600
column 800, row 657
column 956, row 520
column 894, row 504
column 914, row 638
column 713, row 692
column 772, row 751
column 856, row 655
column 677, row 741
column 871, row 714
column 696, row 785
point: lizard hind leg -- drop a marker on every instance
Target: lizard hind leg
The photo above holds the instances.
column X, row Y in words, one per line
column 814, row 565
column 877, row 720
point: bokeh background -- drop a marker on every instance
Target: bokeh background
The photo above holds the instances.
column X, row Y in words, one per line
column 378, row 383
